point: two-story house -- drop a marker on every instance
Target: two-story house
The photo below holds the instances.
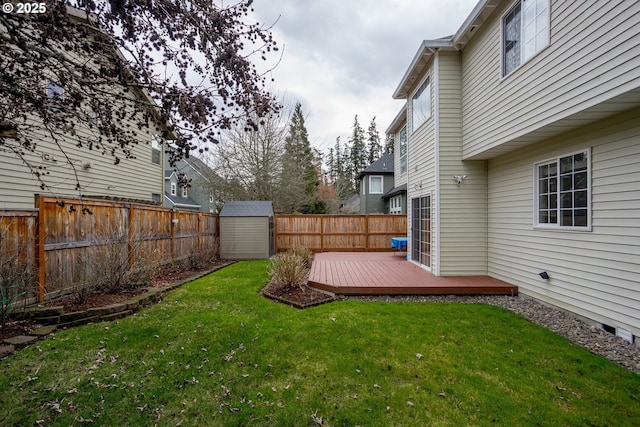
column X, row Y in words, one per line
column 523, row 153
column 198, row 194
column 74, row 171
column 376, row 180
column 397, row 196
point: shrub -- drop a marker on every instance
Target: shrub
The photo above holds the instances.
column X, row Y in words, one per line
column 288, row 269
column 16, row 275
column 303, row 253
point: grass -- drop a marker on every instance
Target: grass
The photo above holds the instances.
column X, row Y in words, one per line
column 215, row 353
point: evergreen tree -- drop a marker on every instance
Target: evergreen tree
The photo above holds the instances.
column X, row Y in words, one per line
column 299, row 178
column 389, row 144
column 358, row 155
column 374, row 149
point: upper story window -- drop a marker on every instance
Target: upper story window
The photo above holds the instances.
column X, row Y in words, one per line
column 156, row 150
column 562, row 194
column 174, row 188
column 403, row 150
column 375, row 185
column 184, row 191
column 421, row 105
column 525, row 32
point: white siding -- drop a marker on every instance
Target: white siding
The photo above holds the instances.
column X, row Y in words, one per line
column 593, row 57
column 463, row 208
column 595, row 274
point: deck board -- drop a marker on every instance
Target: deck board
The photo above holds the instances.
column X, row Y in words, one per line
column 386, row 273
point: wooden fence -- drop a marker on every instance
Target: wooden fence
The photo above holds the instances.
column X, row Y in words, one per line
column 65, row 235
column 340, row 233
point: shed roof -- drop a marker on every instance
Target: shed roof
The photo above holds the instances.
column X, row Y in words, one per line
column 247, row 208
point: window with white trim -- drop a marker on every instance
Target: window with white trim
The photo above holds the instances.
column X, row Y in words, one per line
column 562, row 194
column 156, row 149
column 174, row 188
column 395, row 205
column 525, row 32
column 184, row 191
column 403, row 150
column 375, row 185
column 421, row 105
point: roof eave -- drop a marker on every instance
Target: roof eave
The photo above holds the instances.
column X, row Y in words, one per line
column 398, row 120
column 418, row 64
column 476, row 18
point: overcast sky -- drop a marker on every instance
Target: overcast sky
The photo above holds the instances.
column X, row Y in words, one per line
column 346, row 57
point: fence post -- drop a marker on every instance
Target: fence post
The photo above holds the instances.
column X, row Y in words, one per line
column 275, row 233
column 366, row 233
column 199, row 230
column 322, row 233
column 40, row 261
column 173, row 228
column 130, row 235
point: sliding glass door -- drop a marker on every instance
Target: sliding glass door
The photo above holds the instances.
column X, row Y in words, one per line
column 421, row 230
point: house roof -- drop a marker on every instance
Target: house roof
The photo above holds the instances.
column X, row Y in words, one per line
column 168, row 173
column 395, row 191
column 427, row 48
column 182, row 202
column 384, row 166
column 247, row 208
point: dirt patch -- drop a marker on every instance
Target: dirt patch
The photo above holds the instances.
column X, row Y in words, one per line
column 13, row 328
column 297, row 296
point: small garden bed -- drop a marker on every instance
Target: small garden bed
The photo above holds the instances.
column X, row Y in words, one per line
column 289, row 273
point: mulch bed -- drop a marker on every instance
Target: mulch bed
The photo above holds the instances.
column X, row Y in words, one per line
column 296, row 296
column 13, row 328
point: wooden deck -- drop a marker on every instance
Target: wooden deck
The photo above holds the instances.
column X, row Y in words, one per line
column 387, row 273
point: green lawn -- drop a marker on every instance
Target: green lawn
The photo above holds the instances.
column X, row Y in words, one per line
column 215, row 353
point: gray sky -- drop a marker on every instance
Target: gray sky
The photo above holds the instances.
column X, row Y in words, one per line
column 346, row 57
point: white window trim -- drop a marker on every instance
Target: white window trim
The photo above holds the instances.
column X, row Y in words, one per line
column 381, row 184
column 174, row 188
column 395, row 205
column 406, row 149
column 185, row 191
column 523, row 61
column 536, row 204
column 426, row 81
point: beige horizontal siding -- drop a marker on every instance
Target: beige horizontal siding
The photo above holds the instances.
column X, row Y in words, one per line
column 594, row 273
column 463, row 208
column 421, row 160
column 593, row 56
column 244, row 238
column 134, row 178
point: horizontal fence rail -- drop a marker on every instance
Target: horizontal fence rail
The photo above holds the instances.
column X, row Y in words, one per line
column 339, row 233
column 63, row 238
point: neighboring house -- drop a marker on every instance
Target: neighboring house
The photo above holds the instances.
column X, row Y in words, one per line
column 375, row 181
column 524, row 153
column 396, row 198
column 350, row 206
column 198, row 195
column 139, row 177
column 177, row 195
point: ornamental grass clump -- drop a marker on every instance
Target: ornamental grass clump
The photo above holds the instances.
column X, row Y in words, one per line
column 304, row 253
column 288, row 269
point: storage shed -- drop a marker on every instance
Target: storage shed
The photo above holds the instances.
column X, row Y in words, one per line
column 246, row 230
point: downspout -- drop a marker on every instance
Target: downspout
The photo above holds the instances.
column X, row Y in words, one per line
column 435, row 266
